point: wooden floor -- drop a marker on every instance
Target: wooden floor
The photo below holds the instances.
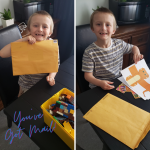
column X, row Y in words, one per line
column 1, row 104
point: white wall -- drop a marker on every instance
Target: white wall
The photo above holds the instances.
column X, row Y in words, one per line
column 84, row 9
column 6, row 4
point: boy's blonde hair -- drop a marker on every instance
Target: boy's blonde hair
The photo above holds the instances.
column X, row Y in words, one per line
column 103, row 10
column 44, row 13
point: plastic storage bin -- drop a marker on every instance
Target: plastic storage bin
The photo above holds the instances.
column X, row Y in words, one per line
column 59, row 129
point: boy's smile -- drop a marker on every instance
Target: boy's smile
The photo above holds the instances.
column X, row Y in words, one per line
column 40, row 27
column 103, row 26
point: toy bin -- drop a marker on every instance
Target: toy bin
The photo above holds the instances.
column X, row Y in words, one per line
column 59, row 129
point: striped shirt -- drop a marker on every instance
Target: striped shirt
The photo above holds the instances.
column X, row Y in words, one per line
column 27, row 81
column 105, row 63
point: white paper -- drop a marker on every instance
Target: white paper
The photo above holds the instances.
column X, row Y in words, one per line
column 137, row 79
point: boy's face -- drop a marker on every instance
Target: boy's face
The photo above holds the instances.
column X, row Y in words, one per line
column 103, row 26
column 40, row 27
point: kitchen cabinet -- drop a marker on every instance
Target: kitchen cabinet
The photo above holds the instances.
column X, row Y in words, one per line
column 136, row 34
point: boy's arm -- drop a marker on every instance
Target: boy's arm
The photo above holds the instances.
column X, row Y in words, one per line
column 6, row 50
column 104, row 84
column 136, row 54
column 51, row 78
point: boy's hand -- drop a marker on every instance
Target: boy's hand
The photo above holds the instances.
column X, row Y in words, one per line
column 136, row 54
column 105, row 85
column 50, row 80
column 31, row 39
column 137, row 57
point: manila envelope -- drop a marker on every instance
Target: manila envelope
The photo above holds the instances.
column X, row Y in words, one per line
column 122, row 120
column 41, row 57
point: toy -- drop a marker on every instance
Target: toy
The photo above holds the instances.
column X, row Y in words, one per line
column 63, row 112
column 67, row 98
column 64, row 109
column 68, row 127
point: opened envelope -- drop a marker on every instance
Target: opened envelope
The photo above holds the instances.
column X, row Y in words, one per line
column 122, row 120
column 41, row 57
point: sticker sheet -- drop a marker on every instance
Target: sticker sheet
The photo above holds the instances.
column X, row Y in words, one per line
column 123, row 88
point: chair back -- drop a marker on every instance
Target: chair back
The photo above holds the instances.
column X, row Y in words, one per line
column 9, row 87
column 84, row 37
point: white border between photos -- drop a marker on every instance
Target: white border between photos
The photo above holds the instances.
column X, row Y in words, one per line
column 75, row 73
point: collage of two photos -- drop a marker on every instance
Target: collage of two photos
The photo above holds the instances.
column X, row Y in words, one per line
column 112, row 75
column 74, row 74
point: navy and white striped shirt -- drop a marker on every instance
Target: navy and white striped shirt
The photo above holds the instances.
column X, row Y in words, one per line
column 105, row 63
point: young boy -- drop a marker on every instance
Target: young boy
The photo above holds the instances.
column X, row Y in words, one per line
column 40, row 26
column 102, row 60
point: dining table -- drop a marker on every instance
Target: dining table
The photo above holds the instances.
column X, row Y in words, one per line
column 86, row 100
column 29, row 104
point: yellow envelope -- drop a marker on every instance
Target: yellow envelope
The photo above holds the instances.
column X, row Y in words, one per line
column 41, row 57
column 122, row 120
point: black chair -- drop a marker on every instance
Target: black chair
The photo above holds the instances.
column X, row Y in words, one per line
column 9, row 87
column 84, row 37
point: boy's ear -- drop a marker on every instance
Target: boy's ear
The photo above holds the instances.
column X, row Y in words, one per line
column 29, row 31
column 92, row 29
column 49, row 35
column 28, row 28
column 114, row 31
